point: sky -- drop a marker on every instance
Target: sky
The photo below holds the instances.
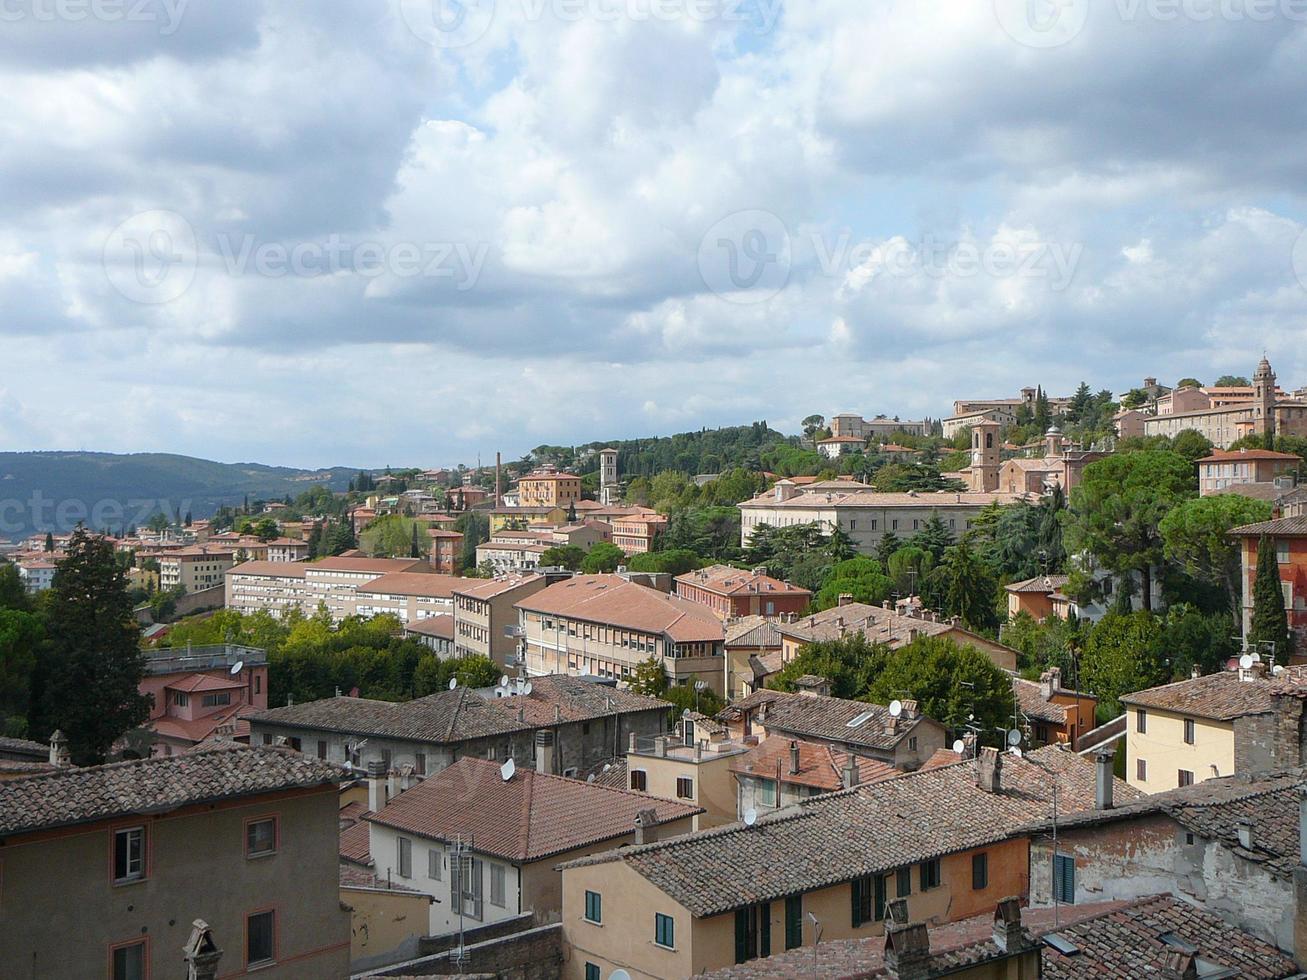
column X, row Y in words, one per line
column 408, row 232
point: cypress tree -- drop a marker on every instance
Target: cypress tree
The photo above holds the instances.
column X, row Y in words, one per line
column 1269, row 620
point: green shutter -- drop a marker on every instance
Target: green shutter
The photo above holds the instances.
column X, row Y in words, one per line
column 764, row 929
column 793, row 921
column 878, row 911
column 742, row 934
column 855, row 890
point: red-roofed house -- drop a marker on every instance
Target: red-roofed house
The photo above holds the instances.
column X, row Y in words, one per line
column 203, row 691
column 1225, row 469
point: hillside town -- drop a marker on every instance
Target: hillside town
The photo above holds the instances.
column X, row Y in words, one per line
column 1018, row 692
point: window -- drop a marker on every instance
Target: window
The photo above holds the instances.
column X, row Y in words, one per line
column 322, row 748
column 404, row 857
column 1141, row 721
column 181, row 699
column 664, row 931
column 793, row 921
column 767, row 792
column 1064, row 879
column 216, row 700
column 869, row 899
column 1189, row 838
column 1282, row 552
column 592, row 972
column 261, row 837
column 420, row 763
column 497, row 882
column 434, row 861
column 129, row 961
column 594, row 907
column 128, row 855
column 904, row 884
column 912, row 744
column 752, row 932
column 385, row 758
column 465, row 886
column 1185, row 778
column 1189, row 731
column 639, row 780
column 929, row 874
column 267, row 739
column 979, row 871
column 260, row 938
column 1141, row 770
column 684, row 788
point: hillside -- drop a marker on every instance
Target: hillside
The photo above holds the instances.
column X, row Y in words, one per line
column 54, row 490
column 705, row 451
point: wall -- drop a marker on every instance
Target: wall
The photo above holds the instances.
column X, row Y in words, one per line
column 712, row 781
column 1164, row 749
column 382, row 921
column 536, row 954
column 197, row 845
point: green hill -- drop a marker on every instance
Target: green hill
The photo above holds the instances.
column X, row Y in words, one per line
column 55, row 490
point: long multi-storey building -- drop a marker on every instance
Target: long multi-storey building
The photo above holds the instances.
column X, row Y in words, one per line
column 279, row 587
column 484, row 614
column 1227, row 415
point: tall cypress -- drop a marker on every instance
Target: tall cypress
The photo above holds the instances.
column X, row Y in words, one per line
column 1270, row 622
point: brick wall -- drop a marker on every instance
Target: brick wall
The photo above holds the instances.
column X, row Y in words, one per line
column 536, row 954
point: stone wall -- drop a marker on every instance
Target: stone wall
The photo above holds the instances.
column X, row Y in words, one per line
column 536, row 954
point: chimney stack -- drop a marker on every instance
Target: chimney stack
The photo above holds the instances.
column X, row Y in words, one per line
column 846, row 598
column 499, row 487
column 544, row 751
column 646, row 827
column 1103, row 777
column 59, row 749
column 794, row 758
column 1008, row 934
column 907, row 945
column 1179, row 966
column 989, row 770
column 849, row 775
column 201, row 953
column 1246, row 838
column 376, row 785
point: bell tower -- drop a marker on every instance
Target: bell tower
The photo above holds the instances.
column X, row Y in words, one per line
column 1264, row 401
column 984, row 456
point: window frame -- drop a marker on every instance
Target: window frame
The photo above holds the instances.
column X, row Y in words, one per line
column 640, row 776
column 664, row 929
column 592, row 972
column 499, row 883
column 793, row 921
column 144, row 858
column 435, row 863
column 980, row 871
column 1141, row 721
column 594, row 908
column 1141, row 770
column 686, row 792
column 250, row 822
column 136, row 942
column 250, row 916
column 404, row 857
column 1190, row 732
column 1062, row 863
column 903, row 881
column 930, row 874
column 1184, row 777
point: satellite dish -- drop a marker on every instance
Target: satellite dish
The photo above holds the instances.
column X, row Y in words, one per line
column 895, row 708
column 237, row 667
column 750, row 817
column 619, row 975
column 503, row 681
column 1014, row 737
column 1246, row 661
column 453, row 683
column 590, row 778
column 526, row 688
column 959, row 746
column 1016, row 752
column 507, row 769
column 1277, row 670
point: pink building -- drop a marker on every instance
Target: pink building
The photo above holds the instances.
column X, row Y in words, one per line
column 203, row 691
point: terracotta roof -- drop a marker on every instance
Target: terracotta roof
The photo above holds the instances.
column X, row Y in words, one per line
column 1280, row 527
column 867, row 830
column 355, row 839
column 821, row 767
column 820, row 717
column 75, row 796
column 381, row 566
column 281, row 569
column 423, row 584
column 489, row 589
column 612, row 600
column 441, row 626
column 23, row 746
column 926, row 500
column 1040, row 583
column 1030, row 700
column 461, row 714
column 527, row 818
column 1221, row 696
column 204, row 682
column 725, row 580
column 877, row 624
column 753, row 631
column 1230, row 455
column 942, row 757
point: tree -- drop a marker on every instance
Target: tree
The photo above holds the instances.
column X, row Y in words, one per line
column 563, row 556
column 340, row 538
column 13, row 593
column 1191, row 444
column 20, row 635
column 1117, row 510
column 1232, row 381
column 886, row 546
column 649, row 678
column 676, row 561
column 1123, row 653
column 265, row 529
column 1270, row 622
column 1188, row 383
column 1196, row 536
column 968, row 588
column 851, row 664
column 934, row 537
column 812, row 424
column 94, row 667
column 49, row 542
column 603, row 557
column 862, row 578
column 908, row 567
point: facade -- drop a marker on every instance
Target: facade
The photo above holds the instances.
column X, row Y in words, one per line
column 545, row 488
column 410, row 596
column 446, row 554
column 435, row 632
column 203, row 691
column 484, row 613
column 243, row 839
column 1234, row 413
column 1224, row 470
column 610, row 487
column 451, row 837
column 1000, row 417
column 507, row 557
column 1034, row 596
column 604, row 626
column 753, row 653
column 732, row 593
column 638, row 534
column 837, row 446
column 1288, row 535
column 585, row 723
column 193, row 570
column 1028, row 399
column 853, row 424
column 37, row 574
column 778, row 772
column 694, row 765
column 278, row 587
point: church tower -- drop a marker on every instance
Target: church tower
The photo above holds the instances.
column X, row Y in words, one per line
column 1264, row 401
column 984, row 456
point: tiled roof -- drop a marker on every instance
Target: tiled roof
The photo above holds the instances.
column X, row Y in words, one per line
column 753, row 631
column 441, row 626
column 1030, row 700
column 352, row 876
column 381, row 566
column 488, row 589
column 820, row 717
column 1040, row 583
column 461, row 714
column 281, row 569
column 821, row 767
column 612, row 600
column 74, row 796
column 1228, row 455
column 527, row 818
column 1220, row 696
column 1281, row 526
column 876, row 623
column 423, row 584
column 23, row 746
column 611, row 773
column 726, row 580
column 355, row 838
column 834, row 838
column 867, row 498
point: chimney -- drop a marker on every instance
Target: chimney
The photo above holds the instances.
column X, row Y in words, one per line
column 1195, row 672
column 969, row 745
column 794, row 758
column 1103, row 777
column 846, row 598
column 544, row 751
column 646, row 827
column 909, row 709
column 849, row 775
column 1050, row 681
column 1246, row 834
column 907, row 946
column 630, row 743
column 1008, row 934
column 201, row 953
column 59, row 749
column 376, row 786
column 499, row 487
column 1179, row 965
column 989, row 770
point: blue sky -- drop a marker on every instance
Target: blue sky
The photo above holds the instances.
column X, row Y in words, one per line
column 411, row 232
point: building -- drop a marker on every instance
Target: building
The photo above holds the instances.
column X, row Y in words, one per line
column 387, row 920
column 436, row 632
column 511, row 556
column 945, row 840
column 1035, row 597
column 1233, row 721
column 637, row 534
column 446, row 555
column 604, row 625
column 585, row 723
column 694, row 765
column 853, row 424
column 452, row 837
column 904, row 741
column 1225, row 470
column 1231, row 414
column 243, row 839
column 753, row 653
column 837, row 446
column 779, row 771
column 733, row 593
column 409, row 596
column 880, row 624
column 1230, row 846
column 1288, row 535
column 610, row 487
column 193, row 570
column 1129, row 423
column 1061, row 466
column 1051, row 713
column 549, row 488
column 37, row 573
column 484, row 615
column 333, row 583
column 1027, row 400
column 203, row 691
column 999, row 417
column 22, row 757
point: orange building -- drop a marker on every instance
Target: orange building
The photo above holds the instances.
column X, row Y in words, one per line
column 1288, row 535
column 638, row 533
column 548, row 488
column 1225, row 469
column 733, row 592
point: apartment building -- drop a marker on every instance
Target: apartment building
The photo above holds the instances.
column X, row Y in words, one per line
column 834, row 447
column 203, row 691
column 243, row 839
column 1028, row 400
column 693, row 765
column 1288, row 535
column 1226, row 470
column 279, row 587
column 637, row 534
column 604, row 625
column 485, row 613
column 194, row 570
column 1000, row 417
column 37, row 574
column 450, row 837
column 779, row 771
column 732, row 593
column 586, row 723
column 511, row 555
column 410, row 596
column 549, row 488
column 436, row 633
column 946, row 841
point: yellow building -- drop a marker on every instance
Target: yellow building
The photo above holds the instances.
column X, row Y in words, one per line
column 548, row 488
column 694, row 766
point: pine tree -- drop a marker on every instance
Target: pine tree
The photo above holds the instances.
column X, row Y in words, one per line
column 1270, row 623
column 886, row 546
column 414, row 550
column 49, row 542
column 934, row 537
column 94, row 667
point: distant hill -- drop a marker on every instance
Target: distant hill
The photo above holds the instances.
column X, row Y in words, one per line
column 54, row 490
column 704, row 451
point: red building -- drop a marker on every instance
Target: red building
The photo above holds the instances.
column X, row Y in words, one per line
column 733, row 592
column 203, row 691
column 1288, row 535
column 446, row 550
